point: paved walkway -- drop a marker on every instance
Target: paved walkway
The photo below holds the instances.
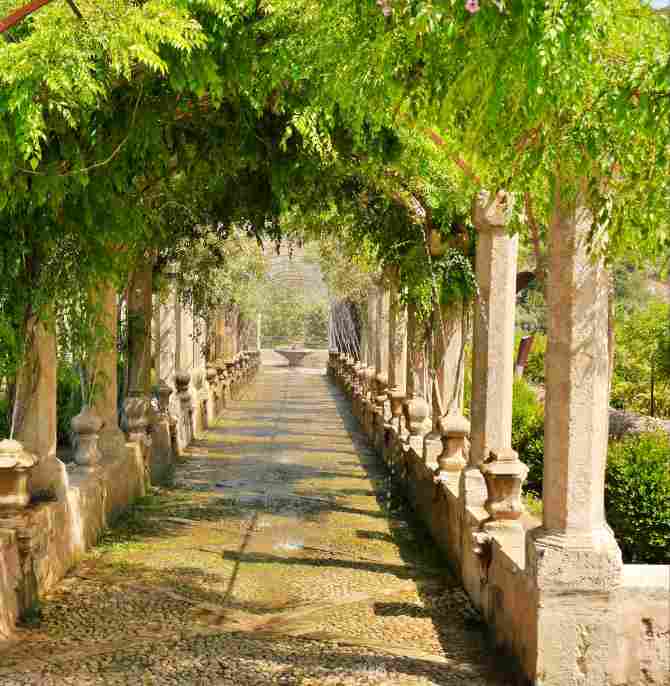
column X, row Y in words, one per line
column 277, row 558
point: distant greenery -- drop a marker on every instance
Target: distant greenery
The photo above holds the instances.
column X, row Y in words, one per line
column 640, row 361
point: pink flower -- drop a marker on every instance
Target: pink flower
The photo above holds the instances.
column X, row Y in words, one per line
column 472, row 6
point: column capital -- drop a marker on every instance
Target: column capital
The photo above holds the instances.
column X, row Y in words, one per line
column 492, row 213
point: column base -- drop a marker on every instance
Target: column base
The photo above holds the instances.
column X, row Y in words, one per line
column 583, row 560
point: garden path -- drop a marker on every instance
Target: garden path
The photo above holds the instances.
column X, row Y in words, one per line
column 277, row 557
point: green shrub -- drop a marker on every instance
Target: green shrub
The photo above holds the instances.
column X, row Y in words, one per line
column 637, row 496
column 528, row 432
column 535, row 367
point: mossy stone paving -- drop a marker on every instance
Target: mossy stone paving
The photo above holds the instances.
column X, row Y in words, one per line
column 275, row 558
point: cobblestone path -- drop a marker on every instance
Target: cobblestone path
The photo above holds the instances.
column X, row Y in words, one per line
column 276, row 558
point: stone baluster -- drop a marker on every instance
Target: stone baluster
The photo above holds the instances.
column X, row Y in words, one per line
column 493, row 343
column 574, row 554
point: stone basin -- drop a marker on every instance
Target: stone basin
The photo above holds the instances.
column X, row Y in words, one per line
column 294, row 356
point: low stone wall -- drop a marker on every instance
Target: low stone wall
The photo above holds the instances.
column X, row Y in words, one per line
column 40, row 544
column 588, row 637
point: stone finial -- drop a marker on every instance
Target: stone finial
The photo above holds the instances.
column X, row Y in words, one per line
column 182, row 380
column 396, row 398
column 164, row 395
column 86, row 425
column 15, row 464
column 454, row 429
column 211, row 374
column 504, row 475
column 417, row 414
column 381, row 387
column 137, row 409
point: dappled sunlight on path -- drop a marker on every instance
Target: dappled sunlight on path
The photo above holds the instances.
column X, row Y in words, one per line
column 274, row 559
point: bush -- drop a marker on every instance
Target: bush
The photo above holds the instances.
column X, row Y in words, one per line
column 637, row 496
column 528, row 432
column 535, row 367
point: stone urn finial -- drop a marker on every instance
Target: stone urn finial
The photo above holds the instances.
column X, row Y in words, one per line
column 417, row 415
column 454, row 429
column 211, row 374
column 504, row 474
column 86, row 425
column 15, row 465
column 182, row 379
column 164, row 394
column 137, row 409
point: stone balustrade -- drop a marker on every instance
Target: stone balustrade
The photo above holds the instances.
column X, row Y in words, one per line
column 555, row 593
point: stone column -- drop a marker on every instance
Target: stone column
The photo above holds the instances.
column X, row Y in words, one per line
column 454, row 428
column 35, row 413
column 381, row 366
column 493, row 341
column 370, row 370
column 112, row 441
column 397, row 352
column 139, row 330
column 432, row 443
column 259, row 337
column 137, row 405
column 574, row 557
column 417, row 412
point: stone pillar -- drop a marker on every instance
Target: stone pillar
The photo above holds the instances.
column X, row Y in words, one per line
column 454, row 428
column 397, row 352
column 416, row 408
column 259, row 337
column 381, row 366
column 36, row 410
column 574, row 557
column 493, row 342
column 370, row 371
column 432, row 444
column 111, row 441
column 139, row 330
column 137, row 405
